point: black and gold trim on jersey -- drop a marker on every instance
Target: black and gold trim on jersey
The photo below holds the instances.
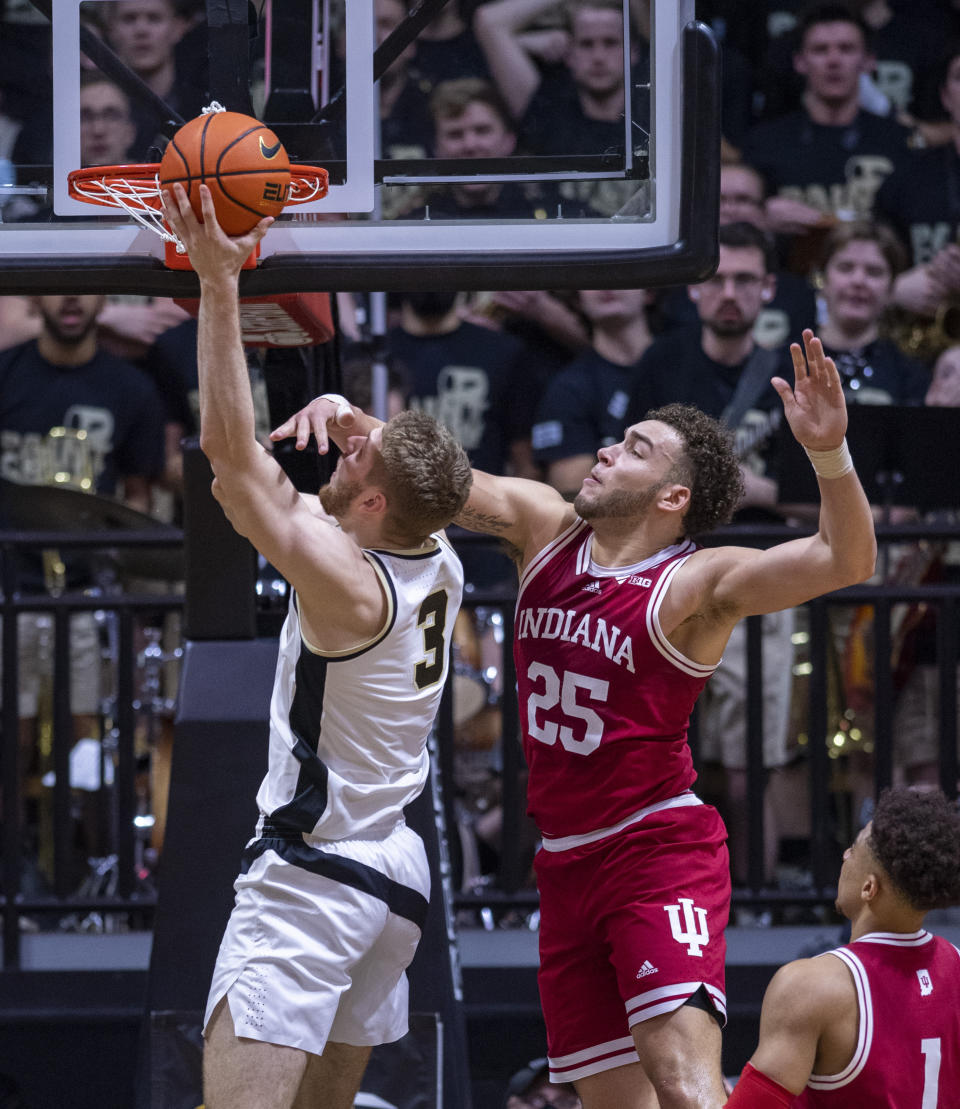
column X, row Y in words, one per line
column 412, row 554
column 399, row 899
column 390, row 592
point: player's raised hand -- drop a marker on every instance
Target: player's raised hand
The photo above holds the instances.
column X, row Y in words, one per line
column 210, row 249
column 815, row 407
column 312, row 420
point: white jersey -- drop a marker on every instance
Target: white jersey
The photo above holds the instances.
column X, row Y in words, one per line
column 348, row 729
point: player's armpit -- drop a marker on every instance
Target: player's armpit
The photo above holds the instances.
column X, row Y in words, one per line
column 755, row 1090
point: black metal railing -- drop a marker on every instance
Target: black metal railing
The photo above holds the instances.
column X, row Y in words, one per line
column 478, row 731
column 42, row 883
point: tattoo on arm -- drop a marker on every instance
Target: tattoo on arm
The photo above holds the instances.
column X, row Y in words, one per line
column 473, row 520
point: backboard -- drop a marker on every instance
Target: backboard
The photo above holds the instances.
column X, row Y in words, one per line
column 554, row 198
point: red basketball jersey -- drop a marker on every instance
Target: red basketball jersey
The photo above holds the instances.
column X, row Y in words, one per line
column 908, row 1049
column 605, row 699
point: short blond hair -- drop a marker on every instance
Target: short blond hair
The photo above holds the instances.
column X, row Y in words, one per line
column 451, row 99
column 425, row 474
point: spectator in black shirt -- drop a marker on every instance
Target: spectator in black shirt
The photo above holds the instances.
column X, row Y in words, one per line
column 859, row 263
column 577, row 107
column 406, row 129
column 107, row 130
column 921, row 201
column 448, row 50
column 584, row 406
column 472, row 379
column 903, row 42
column 793, row 305
column 826, row 160
column 144, row 34
column 405, row 122
column 471, row 120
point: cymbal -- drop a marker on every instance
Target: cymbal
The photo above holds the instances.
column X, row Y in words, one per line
column 58, row 508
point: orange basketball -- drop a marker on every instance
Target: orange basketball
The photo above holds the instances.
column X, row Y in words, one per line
column 239, row 159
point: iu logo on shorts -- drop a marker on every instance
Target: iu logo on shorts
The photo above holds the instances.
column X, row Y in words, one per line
column 693, row 932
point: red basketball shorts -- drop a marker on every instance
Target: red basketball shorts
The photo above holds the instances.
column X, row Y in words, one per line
column 630, row 928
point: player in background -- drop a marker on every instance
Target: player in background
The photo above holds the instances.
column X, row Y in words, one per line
column 621, row 619
column 876, row 1022
column 332, row 894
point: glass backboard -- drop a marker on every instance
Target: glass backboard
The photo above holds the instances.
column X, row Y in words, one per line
column 591, row 163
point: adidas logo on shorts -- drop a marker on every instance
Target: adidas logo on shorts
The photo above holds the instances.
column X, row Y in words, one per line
column 647, row 968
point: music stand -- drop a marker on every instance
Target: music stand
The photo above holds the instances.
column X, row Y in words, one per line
column 904, row 454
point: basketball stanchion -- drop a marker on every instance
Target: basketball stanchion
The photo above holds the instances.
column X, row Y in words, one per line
column 249, row 176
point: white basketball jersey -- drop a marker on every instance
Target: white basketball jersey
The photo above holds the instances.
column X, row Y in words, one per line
column 348, row 730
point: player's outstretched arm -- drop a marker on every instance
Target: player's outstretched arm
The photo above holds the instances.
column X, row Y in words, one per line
column 258, row 498
column 525, row 514
column 227, row 425
column 844, row 550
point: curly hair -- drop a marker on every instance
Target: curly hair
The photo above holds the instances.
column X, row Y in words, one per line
column 915, row 837
column 425, row 474
column 709, row 466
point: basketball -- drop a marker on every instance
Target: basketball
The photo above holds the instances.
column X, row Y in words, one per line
column 239, row 159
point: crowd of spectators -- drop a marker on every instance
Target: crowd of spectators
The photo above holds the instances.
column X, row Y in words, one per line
column 839, row 209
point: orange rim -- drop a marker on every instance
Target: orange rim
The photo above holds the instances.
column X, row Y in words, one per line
column 307, row 183
column 139, row 182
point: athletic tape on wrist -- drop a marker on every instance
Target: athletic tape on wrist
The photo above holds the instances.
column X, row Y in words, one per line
column 832, row 463
column 343, row 405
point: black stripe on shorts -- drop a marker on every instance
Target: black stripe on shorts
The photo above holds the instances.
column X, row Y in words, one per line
column 399, row 899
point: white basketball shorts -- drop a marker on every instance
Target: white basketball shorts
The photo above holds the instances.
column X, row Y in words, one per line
column 319, row 939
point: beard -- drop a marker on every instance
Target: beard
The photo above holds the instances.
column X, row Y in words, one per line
column 335, row 500
column 617, row 505
column 730, row 329
column 67, row 338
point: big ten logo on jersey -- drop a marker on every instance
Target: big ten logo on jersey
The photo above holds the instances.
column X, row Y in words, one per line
column 851, row 198
column 692, row 931
column 276, row 190
column 926, row 982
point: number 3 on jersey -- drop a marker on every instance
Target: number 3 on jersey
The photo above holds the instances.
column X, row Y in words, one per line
column 563, row 692
column 431, row 620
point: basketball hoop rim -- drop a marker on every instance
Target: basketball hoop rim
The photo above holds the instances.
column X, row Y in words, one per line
column 145, row 177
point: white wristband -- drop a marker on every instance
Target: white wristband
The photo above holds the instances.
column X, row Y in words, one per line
column 343, row 405
column 832, row 463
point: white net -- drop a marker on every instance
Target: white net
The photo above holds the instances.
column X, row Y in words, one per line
column 139, row 197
